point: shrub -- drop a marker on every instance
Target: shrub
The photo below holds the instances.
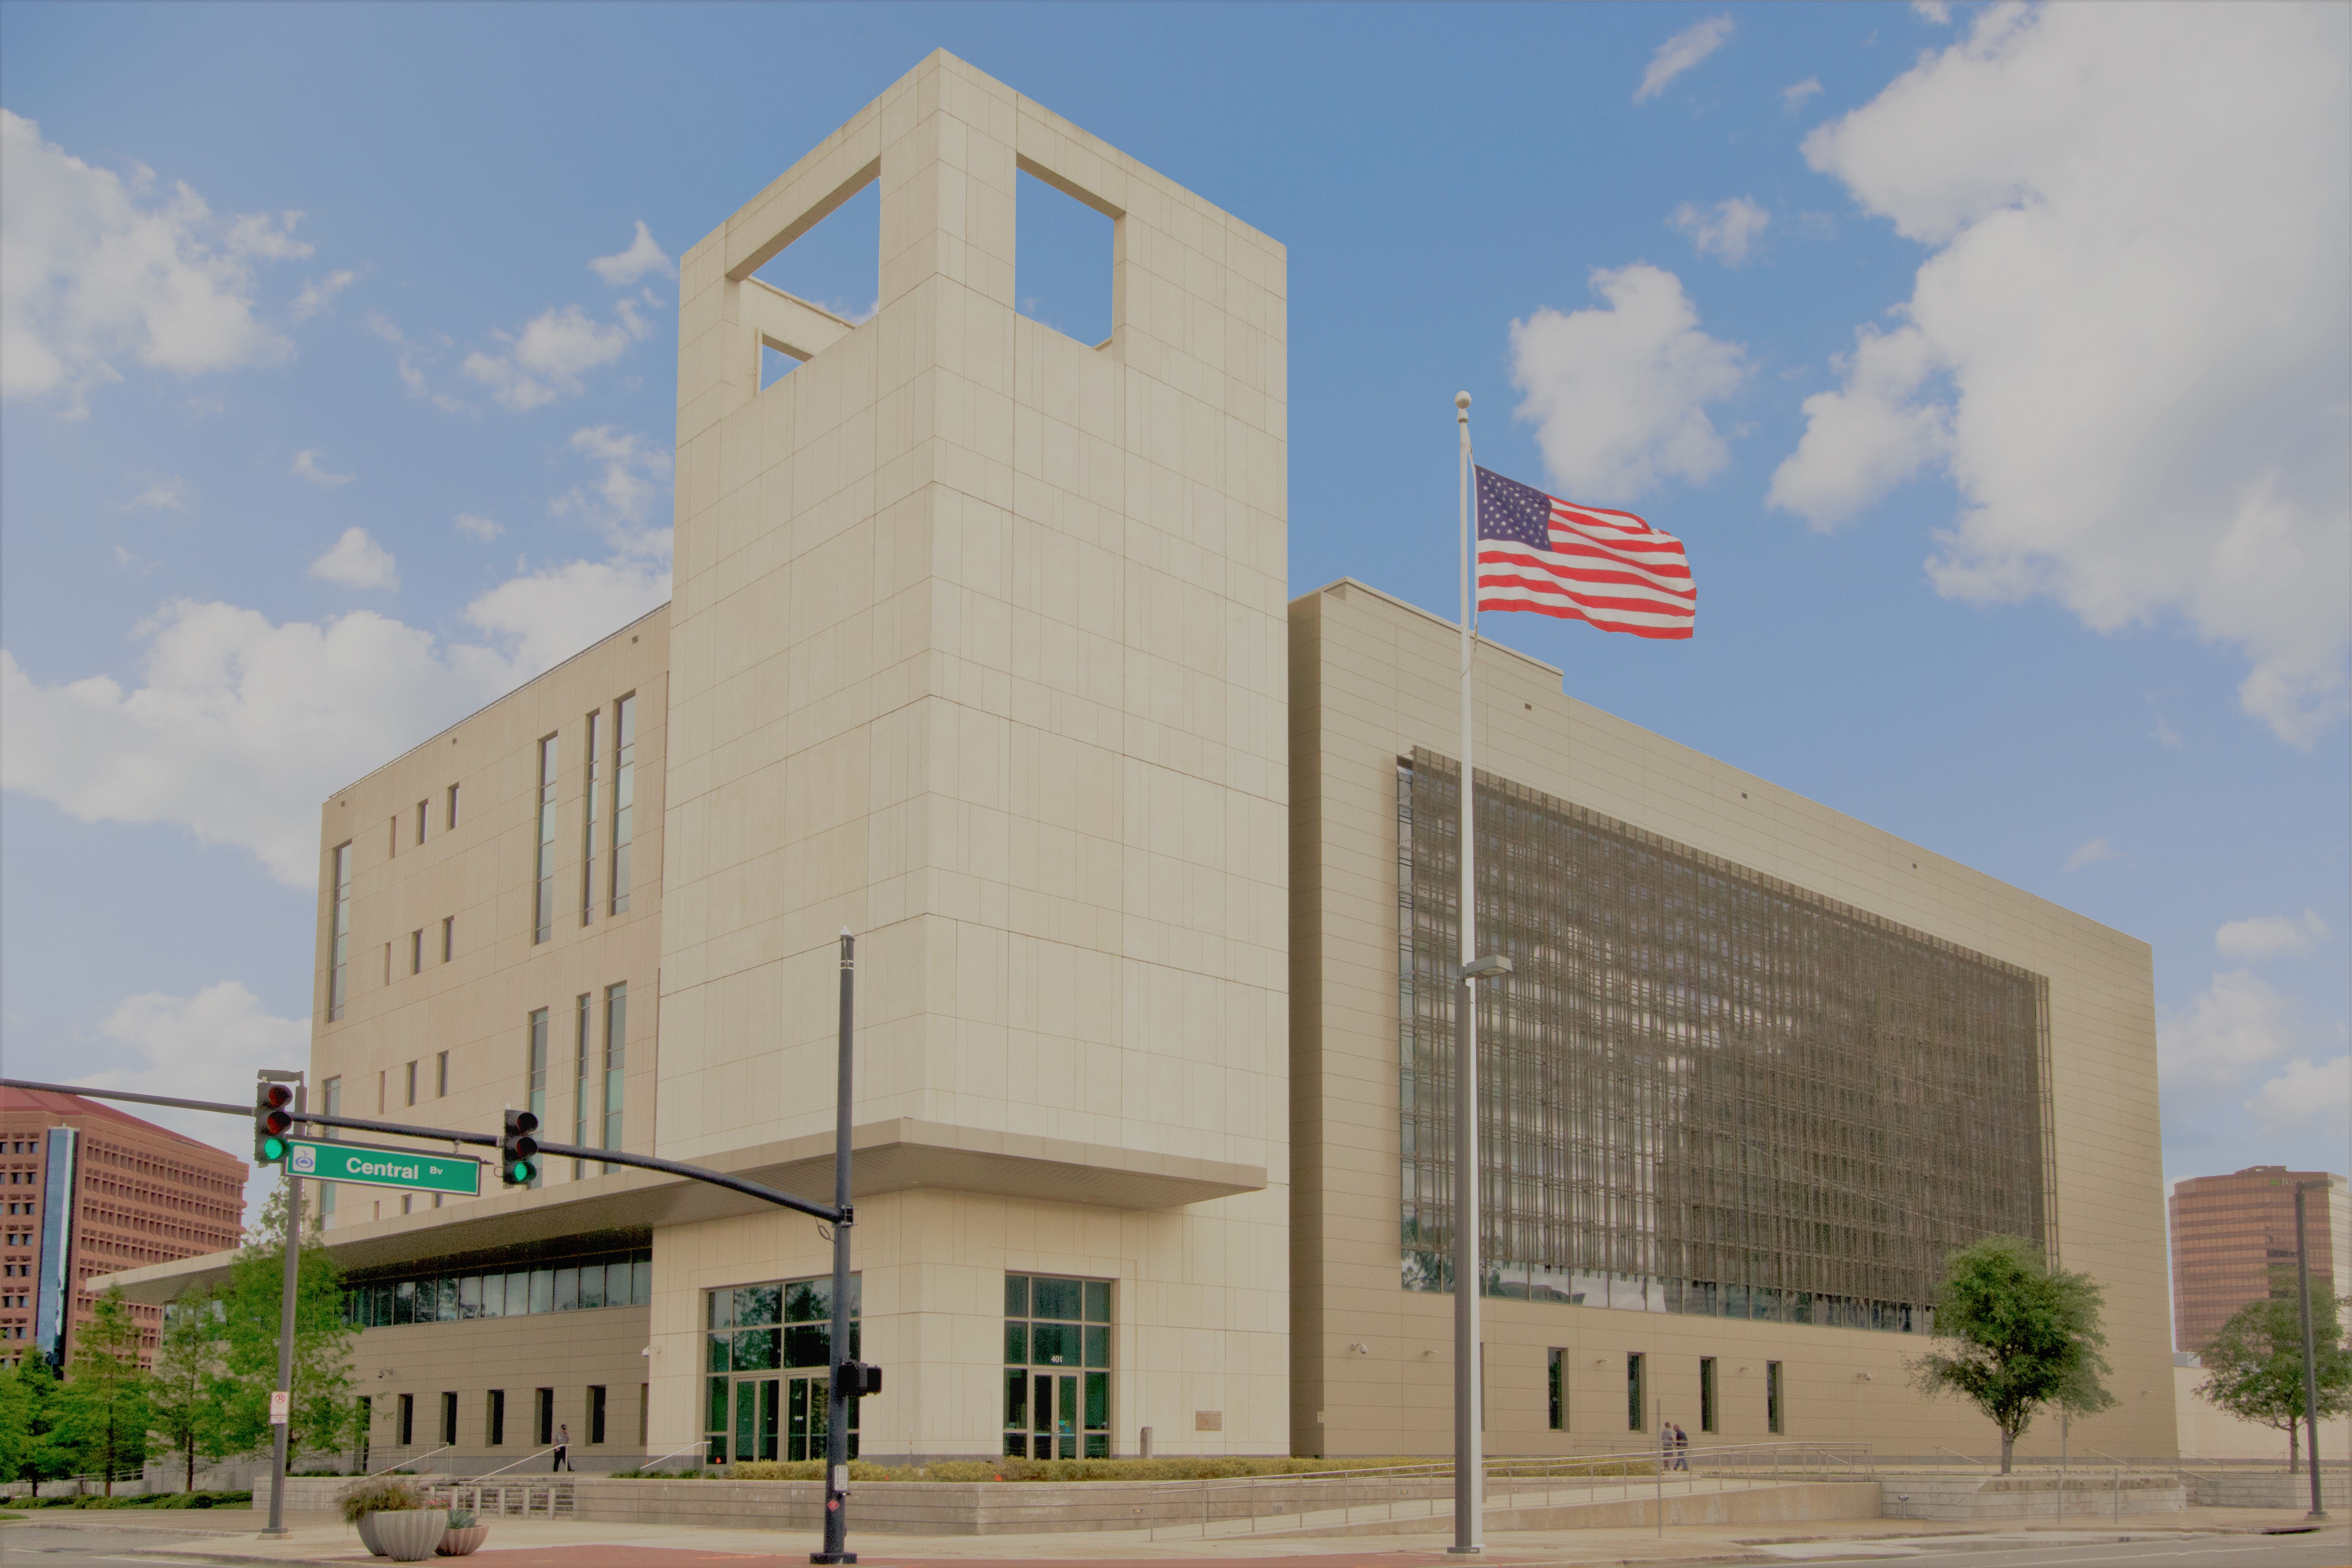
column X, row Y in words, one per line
column 1170, row 1469
column 378, row 1494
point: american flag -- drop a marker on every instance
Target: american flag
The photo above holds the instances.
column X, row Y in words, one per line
column 1609, row 569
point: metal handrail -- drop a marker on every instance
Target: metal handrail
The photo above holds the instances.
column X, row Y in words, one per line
column 398, row 1463
column 525, row 1459
column 702, row 1443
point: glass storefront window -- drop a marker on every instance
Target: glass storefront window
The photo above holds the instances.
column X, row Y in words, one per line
column 623, row 1281
column 1057, row 1367
column 769, row 1350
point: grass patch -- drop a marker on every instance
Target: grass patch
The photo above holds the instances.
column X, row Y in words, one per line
column 159, row 1500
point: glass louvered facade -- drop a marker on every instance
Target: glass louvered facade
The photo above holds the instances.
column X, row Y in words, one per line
column 1703, row 1089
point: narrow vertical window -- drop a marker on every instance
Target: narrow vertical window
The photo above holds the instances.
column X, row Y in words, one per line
column 391, row 846
column 1706, row 1394
column 449, row 816
column 422, row 807
column 595, row 1413
column 340, row 948
column 416, row 951
column 624, row 797
column 387, row 964
column 448, row 937
column 591, row 798
column 412, row 1083
column 1559, row 1389
column 407, row 1420
column 450, row 1419
column 1772, row 1411
column 546, row 1417
column 538, row 1084
column 494, row 1421
column 332, row 1096
column 441, row 1075
column 616, row 1059
column 543, row 915
column 583, row 1037
column 1634, row 1393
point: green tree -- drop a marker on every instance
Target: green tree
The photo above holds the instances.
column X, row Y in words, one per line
column 2023, row 1335
column 16, row 1427
column 101, row 1409
column 189, row 1390
column 2254, row 1367
column 31, row 1388
column 322, row 1409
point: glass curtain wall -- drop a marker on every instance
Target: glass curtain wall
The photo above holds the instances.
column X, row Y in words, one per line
column 1703, row 1089
column 767, row 1354
column 1057, row 1367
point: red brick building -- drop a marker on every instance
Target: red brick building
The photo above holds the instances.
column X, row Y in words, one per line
column 2230, row 1233
column 89, row 1190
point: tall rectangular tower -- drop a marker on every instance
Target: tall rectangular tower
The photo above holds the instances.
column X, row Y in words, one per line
column 979, row 651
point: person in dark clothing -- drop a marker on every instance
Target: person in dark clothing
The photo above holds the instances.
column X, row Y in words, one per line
column 563, row 1442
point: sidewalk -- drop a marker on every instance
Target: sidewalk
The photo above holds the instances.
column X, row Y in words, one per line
column 227, row 1536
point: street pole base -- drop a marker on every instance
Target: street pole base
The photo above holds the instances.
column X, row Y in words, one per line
column 832, row 1556
column 275, row 1534
column 1465, row 1551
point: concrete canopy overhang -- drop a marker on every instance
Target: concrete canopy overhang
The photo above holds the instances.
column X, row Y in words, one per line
column 896, row 1155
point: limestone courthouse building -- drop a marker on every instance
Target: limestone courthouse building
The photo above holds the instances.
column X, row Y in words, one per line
column 982, row 648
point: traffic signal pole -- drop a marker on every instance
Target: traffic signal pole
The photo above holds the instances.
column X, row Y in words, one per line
column 838, row 1389
column 281, row 1402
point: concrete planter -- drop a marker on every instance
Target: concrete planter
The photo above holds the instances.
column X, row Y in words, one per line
column 411, row 1535
column 366, row 1527
column 463, row 1543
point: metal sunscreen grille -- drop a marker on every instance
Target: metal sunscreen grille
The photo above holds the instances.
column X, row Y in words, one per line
column 1703, row 1090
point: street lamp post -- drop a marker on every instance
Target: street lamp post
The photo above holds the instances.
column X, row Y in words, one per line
column 2310, row 1349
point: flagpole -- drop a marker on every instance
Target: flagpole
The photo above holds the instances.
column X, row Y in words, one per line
column 1468, row 1465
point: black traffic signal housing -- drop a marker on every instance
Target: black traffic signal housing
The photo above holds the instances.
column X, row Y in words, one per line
column 859, row 1379
column 518, row 1150
column 273, row 1122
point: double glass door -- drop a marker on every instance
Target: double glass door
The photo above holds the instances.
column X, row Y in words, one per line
column 784, row 1417
column 1047, row 1414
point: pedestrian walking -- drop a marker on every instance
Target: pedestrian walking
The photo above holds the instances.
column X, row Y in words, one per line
column 563, row 1442
column 1682, row 1448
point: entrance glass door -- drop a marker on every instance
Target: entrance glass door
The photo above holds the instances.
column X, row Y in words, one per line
column 784, row 1417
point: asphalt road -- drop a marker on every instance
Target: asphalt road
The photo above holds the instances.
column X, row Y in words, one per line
column 2328, row 1549
column 70, row 1547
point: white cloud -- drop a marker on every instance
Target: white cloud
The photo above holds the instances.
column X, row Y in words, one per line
column 1681, row 52
column 160, row 495
column 1618, row 393
column 306, row 466
column 319, row 294
column 634, row 472
column 1793, row 97
column 478, row 528
column 642, row 257
column 2091, row 853
column 2270, row 936
column 94, row 267
column 551, row 352
column 548, row 616
column 2307, row 1094
column 1938, row 12
column 2130, row 347
column 357, row 562
column 2233, row 1026
column 190, row 1046
column 1724, row 231
column 239, row 727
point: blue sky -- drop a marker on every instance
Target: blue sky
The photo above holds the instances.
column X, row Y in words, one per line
column 1992, row 363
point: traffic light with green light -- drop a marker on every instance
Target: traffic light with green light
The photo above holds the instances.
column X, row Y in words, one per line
column 272, row 1123
column 518, row 1150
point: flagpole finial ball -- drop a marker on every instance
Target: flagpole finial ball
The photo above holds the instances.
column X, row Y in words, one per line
column 1461, row 400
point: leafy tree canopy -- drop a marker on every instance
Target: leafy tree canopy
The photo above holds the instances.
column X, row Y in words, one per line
column 101, row 1409
column 323, row 1408
column 2015, row 1335
column 2254, row 1365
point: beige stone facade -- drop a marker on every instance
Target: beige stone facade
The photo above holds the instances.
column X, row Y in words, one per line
column 980, row 650
column 1373, row 677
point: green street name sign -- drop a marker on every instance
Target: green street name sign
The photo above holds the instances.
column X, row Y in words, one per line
column 384, row 1167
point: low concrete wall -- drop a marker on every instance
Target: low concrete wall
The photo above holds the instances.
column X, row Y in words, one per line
column 2027, row 1496
column 2267, row 1489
